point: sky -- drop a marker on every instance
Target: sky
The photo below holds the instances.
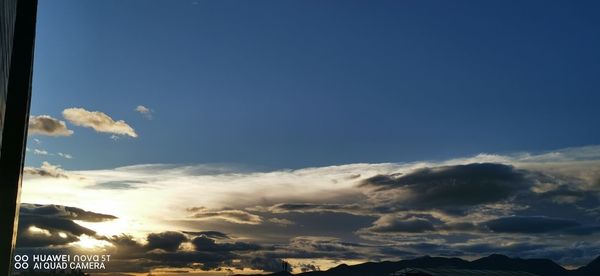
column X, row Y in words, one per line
column 270, row 130
column 292, row 84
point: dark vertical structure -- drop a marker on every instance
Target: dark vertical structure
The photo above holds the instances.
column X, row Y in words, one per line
column 17, row 36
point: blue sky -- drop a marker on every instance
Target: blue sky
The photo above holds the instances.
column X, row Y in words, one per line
column 288, row 84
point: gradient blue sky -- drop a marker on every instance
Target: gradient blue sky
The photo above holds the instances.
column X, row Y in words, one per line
column 290, row 84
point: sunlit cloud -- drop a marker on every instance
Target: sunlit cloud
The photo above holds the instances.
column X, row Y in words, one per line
column 98, row 121
column 46, row 170
column 234, row 216
column 40, row 231
column 88, row 242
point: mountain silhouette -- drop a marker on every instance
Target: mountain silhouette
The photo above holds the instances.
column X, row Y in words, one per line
column 593, row 268
column 281, row 273
column 385, row 268
column 541, row 267
column 535, row 266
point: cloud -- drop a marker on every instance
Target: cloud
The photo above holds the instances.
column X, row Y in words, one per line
column 46, row 125
column 44, row 231
column 145, row 111
column 40, row 152
column 98, row 121
column 356, row 212
column 204, row 243
column 234, row 216
column 65, row 155
column 205, row 253
column 320, row 208
column 284, row 222
column 449, row 188
column 63, row 212
column 167, row 241
column 51, row 229
column 45, row 225
column 209, row 234
column 401, row 224
column 533, row 224
column 265, row 264
column 117, row 185
column 79, row 214
column 583, row 230
column 46, row 170
column 306, row 247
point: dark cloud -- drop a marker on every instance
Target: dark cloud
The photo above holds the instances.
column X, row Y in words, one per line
column 583, row 230
column 46, row 125
column 319, row 208
column 445, row 209
column 126, row 247
column 46, row 225
column 520, row 248
column 167, row 241
column 129, row 255
column 207, row 254
column 203, row 243
column 528, row 225
column 60, row 211
column 451, row 187
column 564, row 195
column 48, row 233
column 79, row 214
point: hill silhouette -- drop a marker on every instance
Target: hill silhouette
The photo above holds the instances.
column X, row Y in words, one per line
column 542, row 267
column 535, row 266
column 593, row 268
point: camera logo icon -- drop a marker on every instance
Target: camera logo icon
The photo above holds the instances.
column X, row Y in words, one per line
column 21, row 262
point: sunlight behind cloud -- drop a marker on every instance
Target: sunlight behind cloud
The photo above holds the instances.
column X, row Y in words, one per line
column 39, row 231
column 87, row 242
